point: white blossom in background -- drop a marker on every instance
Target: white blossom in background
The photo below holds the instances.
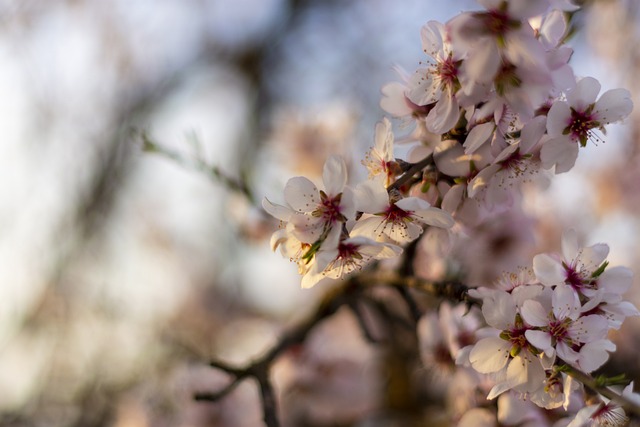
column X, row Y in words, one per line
column 572, row 123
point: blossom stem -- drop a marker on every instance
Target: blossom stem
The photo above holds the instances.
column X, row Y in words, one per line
column 415, row 168
column 593, row 384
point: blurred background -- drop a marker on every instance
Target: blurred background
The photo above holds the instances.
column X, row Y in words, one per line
column 124, row 271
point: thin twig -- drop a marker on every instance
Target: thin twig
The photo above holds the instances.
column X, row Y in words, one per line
column 199, row 164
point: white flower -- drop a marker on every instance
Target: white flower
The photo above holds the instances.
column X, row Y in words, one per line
column 577, row 267
column 501, row 32
column 379, row 160
column 397, row 220
column 340, row 256
column 438, row 83
column 516, row 163
column 509, row 357
column 570, row 123
column 601, row 414
column 314, row 212
column 563, row 328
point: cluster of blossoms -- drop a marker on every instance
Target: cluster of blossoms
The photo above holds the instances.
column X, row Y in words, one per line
column 543, row 323
column 548, row 318
column 495, row 104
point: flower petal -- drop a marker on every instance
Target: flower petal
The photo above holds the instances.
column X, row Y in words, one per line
column 489, row 355
column 548, row 270
column 334, row 175
column 301, row 194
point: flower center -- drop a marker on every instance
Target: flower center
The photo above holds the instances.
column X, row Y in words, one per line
column 558, row 329
column 329, row 209
column 447, row 71
column 573, row 278
column 579, row 126
column 396, row 215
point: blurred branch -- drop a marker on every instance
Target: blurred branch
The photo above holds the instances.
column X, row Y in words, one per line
column 348, row 293
column 198, row 163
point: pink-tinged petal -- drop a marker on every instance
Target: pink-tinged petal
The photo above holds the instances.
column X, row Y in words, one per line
column 434, row 217
column 483, row 179
column 521, row 294
column 590, row 258
column 570, row 245
column 584, row 94
column 562, row 75
column 561, row 152
column 301, row 194
column 506, row 152
column 500, row 310
column 566, row 353
column 348, row 203
column 589, row 328
column 306, row 228
column 534, row 373
column 583, row 417
column 594, row 354
column 393, row 100
column 613, row 105
column 523, row 50
column 433, row 36
column 490, row 355
column 277, row 211
column 445, row 115
column 334, row 175
column 534, row 314
column 312, row 278
column 406, row 234
column 450, row 159
column 622, row 309
column 522, row 373
column 412, row 204
column 478, row 136
column 553, row 28
column 324, row 257
column 387, row 250
column 484, row 61
column 422, row 89
column 616, row 280
column 565, row 302
column 278, row 238
column 451, row 200
column 523, row 9
column 371, row 196
column 384, row 139
column 558, row 118
column 532, row 132
column 371, row 227
column 548, row 271
column 539, row 339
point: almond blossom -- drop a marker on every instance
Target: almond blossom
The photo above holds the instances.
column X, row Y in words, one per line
column 572, row 123
column 438, row 83
column 497, row 34
column 509, row 357
column 340, row 256
column 563, row 329
column 393, row 217
column 379, row 160
column 314, row 212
